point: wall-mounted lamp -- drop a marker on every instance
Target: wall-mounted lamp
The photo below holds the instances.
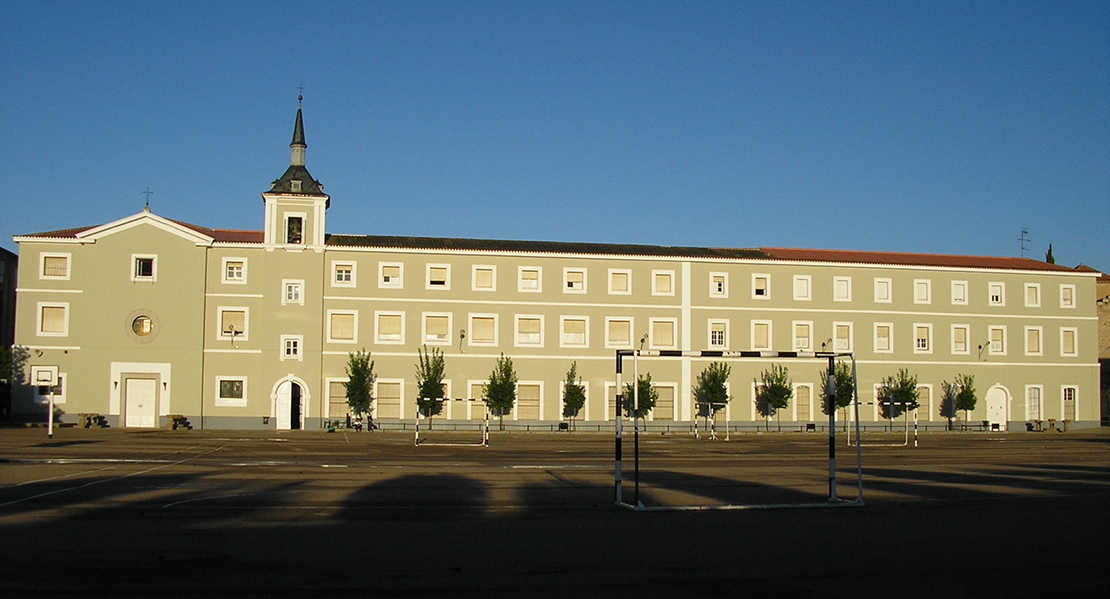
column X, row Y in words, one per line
column 38, row 352
column 462, row 335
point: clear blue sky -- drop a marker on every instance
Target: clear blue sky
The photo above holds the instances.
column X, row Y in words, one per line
column 895, row 126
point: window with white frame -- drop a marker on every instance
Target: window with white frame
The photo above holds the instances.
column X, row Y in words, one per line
column 1067, row 296
column 925, row 400
column 1032, row 295
column 144, row 267
column 620, row 281
column 437, row 328
column 803, row 335
column 233, row 322
column 231, row 391
column 387, row 397
column 884, row 291
column 529, row 330
column 663, row 333
column 343, row 274
column 960, row 334
column 663, row 282
column 718, row 284
column 390, row 275
column 235, row 271
column 530, row 279
column 389, row 327
column 484, row 278
column 618, row 333
column 54, row 266
column 291, row 347
column 922, row 338
column 337, row 397
column 294, row 229
column 803, row 287
column 718, row 334
column 997, row 335
column 1069, row 345
column 922, row 291
column 343, row 326
column 574, row 280
column 884, row 337
column 997, row 294
column 842, row 336
column 959, row 293
column 1033, row 345
column 803, row 402
column 483, row 329
column 1034, row 399
column 761, row 286
column 528, row 394
column 574, row 331
column 842, row 289
column 761, row 335
column 53, row 319
column 292, row 292
column 439, row 276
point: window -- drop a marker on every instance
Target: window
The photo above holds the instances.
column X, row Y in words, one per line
column 387, row 397
column 997, row 295
column 1068, row 345
column 1033, row 341
column 761, row 286
column 1067, row 296
column 143, row 268
column 389, row 275
column 883, row 291
column 294, row 229
column 337, row 397
column 620, row 282
column 842, row 289
column 960, row 333
column 389, row 327
column 959, row 293
column 292, row 292
column 529, row 330
column 663, row 333
column 997, row 340
column 291, row 347
column 802, row 287
column 718, row 334
column 922, row 338
column 884, row 333
column 803, row 395
column 483, row 278
column 483, row 329
column 528, row 401
column 761, row 334
column 1033, row 397
column 574, row 280
column 54, row 266
column 343, row 274
column 231, row 391
column 233, row 323
column 142, row 326
column 922, row 291
column 439, row 276
column 53, row 319
column 574, row 331
column 530, row 279
column 925, row 401
column 437, row 329
column 342, row 326
column 295, row 185
column 803, row 336
column 663, row 282
column 718, row 284
column 1032, row 295
column 618, row 333
column 235, row 270
column 842, row 336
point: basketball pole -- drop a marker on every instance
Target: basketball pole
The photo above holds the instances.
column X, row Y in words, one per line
column 830, row 391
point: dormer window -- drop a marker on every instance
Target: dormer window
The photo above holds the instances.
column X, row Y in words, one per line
column 293, row 229
column 296, row 186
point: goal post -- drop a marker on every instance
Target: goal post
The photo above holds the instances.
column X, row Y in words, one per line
column 830, row 393
column 482, row 442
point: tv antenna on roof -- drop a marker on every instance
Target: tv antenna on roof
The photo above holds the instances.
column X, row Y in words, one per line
column 1024, row 239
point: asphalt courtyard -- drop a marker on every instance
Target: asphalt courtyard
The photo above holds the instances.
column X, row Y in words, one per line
column 125, row 513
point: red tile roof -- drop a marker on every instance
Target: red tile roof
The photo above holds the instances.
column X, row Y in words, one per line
column 942, row 260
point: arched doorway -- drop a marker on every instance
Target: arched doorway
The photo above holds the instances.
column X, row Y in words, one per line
column 289, row 400
column 998, row 407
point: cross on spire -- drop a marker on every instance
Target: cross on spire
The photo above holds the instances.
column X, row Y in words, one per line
column 147, row 191
column 300, row 94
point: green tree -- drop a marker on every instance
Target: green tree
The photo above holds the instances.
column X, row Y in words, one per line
column 845, row 389
column 574, row 394
column 711, row 391
column 897, row 395
column 948, row 392
column 965, row 399
column 647, row 399
column 429, row 381
column 360, row 381
column 775, row 390
column 500, row 391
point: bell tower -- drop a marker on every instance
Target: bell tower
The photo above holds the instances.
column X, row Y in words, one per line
column 296, row 203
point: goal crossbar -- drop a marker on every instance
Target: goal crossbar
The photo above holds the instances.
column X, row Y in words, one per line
column 484, row 442
column 830, row 391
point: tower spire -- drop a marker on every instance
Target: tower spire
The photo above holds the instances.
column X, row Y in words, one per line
column 298, row 146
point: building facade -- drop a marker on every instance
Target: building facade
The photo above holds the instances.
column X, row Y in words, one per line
column 148, row 318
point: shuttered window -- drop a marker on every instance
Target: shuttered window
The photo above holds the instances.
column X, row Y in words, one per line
column 483, row 278
column 620, row 333
column 529, row 279
column 389, row 327
column 761, row 335
column 619, row 281
column 437, row 276
column 803, row 398
column 436, row 328
column 882, row 337
column 1033, row 341
column 843, row 337
column 527, row 402
column 664, row 404
column 337, row 399
column 663, row 283
column 391, row 275
column 388, row 400
column 342, row 326
column 482, row 330
column 574, row 331
column 1068, row 346
column 662, row 333
column 233, row 323
column 53, row 320
column 528, row 331
column 576, row 280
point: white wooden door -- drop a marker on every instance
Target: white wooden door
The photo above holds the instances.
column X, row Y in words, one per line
column 141, row 400
column 284, row 405
column 996, row 407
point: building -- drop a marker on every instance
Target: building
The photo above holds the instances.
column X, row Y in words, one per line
column 149, row 318
column 9, row 264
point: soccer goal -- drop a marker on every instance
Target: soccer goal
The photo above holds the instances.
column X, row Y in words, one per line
column 483, row 441
column 635, row 504
column 858, row 441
